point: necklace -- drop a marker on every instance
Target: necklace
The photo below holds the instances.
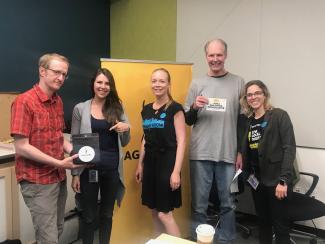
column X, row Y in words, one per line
column 157, row 110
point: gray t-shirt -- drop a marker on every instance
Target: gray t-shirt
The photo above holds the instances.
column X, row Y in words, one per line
column 214, row 133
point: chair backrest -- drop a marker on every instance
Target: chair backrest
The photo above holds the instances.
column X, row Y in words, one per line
column 313, row 184
column 303, row 206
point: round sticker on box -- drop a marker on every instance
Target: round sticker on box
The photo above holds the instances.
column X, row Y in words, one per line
column 86, row 154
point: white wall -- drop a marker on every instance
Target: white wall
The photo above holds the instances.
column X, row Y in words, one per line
column 279, row 41
column 236, row 21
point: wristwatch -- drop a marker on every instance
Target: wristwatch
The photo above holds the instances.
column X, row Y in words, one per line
column 282, row 182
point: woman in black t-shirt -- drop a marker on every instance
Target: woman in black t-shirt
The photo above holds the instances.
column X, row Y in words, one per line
column 161, row 154
column 268, row 149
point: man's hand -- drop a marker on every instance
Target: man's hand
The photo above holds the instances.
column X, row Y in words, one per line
column 239, row 161
column 26, row 150
column 67, row 163
column 200, row 102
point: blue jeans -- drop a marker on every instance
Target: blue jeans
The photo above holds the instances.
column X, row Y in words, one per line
column 202, row 172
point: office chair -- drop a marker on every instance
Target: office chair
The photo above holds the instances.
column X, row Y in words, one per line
column 213, row 210
column 304, row 207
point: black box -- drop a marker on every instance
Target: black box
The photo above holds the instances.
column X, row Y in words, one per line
column 87, row 147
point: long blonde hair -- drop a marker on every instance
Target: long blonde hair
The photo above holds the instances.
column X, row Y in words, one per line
column 243, row 99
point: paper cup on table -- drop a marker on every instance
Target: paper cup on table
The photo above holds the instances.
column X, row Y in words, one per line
column 204, row 234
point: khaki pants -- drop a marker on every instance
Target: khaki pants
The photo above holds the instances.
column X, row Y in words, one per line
column 46, row 204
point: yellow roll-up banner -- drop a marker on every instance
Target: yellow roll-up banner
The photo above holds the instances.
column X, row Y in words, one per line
column 132, row 223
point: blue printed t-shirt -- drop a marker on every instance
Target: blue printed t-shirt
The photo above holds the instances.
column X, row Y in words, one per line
column 158, row 126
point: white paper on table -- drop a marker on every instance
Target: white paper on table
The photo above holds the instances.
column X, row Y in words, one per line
column 152, row 241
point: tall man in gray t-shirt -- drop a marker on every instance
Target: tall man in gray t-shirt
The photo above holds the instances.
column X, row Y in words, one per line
column 212, row 107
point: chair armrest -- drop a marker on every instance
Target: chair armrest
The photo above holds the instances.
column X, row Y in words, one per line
column 313, row 184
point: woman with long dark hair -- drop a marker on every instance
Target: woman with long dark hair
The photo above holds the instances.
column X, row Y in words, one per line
column 268, row 148
column 103, row 114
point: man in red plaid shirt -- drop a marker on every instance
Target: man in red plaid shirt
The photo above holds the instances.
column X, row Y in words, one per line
column 37, row 125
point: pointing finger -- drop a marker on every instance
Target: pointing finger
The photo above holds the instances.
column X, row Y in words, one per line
column 113, row 127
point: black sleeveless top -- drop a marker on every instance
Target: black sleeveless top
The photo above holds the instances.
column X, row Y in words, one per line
column 108, row 144
column 158, row 126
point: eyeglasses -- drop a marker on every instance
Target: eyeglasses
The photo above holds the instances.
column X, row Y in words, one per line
column 255, row 94
column 58, row 73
